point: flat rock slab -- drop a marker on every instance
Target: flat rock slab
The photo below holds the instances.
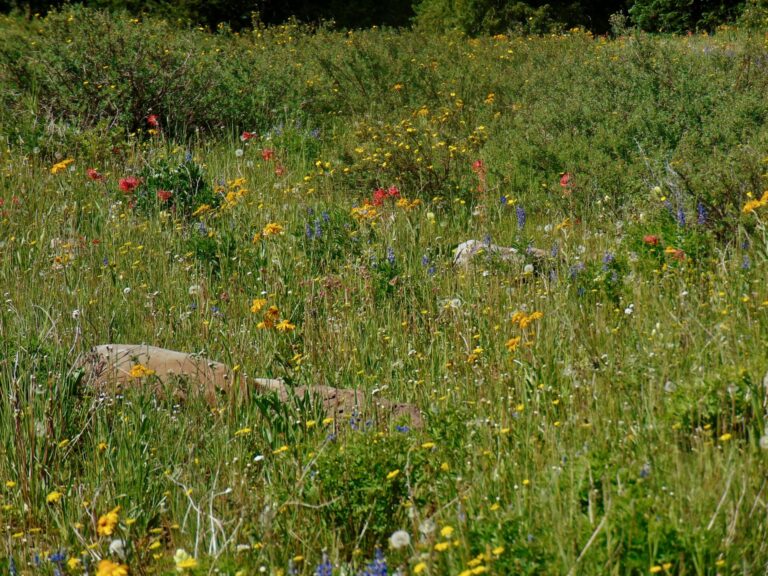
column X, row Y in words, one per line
column 112, row 367
column 467, row 251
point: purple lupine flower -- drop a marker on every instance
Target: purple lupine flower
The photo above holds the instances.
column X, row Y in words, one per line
column 391, row 256
column 520, row 212
column 701, row 214
column 681, row 217
column 607, row 260
column 325, row 568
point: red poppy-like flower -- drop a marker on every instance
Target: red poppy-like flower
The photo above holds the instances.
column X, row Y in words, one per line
column 153, row 121
column 566, row 179
column 651, row 240
column 164, row 195
column 245, row 136
column 279, row 170
column 93, row 174
column 393, row 192
column 129, row 184
column 267, row 154
column 478, row 167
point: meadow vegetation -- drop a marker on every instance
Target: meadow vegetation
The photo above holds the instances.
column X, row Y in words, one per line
column 598, row 411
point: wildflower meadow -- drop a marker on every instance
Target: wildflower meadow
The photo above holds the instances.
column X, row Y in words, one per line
column 289, row 200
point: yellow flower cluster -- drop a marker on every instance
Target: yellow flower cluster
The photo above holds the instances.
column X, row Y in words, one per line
column 234, row 191
column 61, row 166
column 524, row 320
column 140, row 371
column 366, row 212
column 107, row 523
column 271, row 318
column 753, row 205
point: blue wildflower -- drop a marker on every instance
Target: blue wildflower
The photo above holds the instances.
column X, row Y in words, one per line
column 746, row 263
column 403, row 429
column 607, row 260
column 681, row 217
column 503, row 200
column 391, row 256
column 425, row 260
column 325, row 568
column 521, row 216
column 12, row 568
column 318, row 229
column 701, row 212
column 308, row 231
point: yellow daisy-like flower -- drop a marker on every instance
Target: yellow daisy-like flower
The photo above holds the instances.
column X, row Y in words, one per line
column 183, row 560
column 512, row 343
column 109, row 568
column 284, row 326
column 61, row 166
column 272, row 229
column 258, row 304
column 420, row 567
column 54, row 497
column 107, row 523
column 140, row 371
column 392, row 475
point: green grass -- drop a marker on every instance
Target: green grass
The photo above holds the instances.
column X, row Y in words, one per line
column 621, row 435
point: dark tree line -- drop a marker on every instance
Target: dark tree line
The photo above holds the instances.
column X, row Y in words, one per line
column 473, row 16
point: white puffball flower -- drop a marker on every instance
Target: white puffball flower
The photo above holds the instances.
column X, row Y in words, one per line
column 399, row 539
column 528, row 269
column 127, row 290
column 239, row 152
column 194, row 290
column 117, row 548
column 75, row 314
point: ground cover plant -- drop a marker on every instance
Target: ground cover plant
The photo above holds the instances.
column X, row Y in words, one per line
column 287, row 200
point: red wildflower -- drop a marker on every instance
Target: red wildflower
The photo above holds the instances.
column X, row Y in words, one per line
column 393, row 192
column 153, row 121
column 245, row 136
column 565, row 180
column 378, row 196
column 651, row 240
column 129, row 184
column 478, row 167
column 267, row 154
column 93, row 174
column 164, row 195
column 279, row 170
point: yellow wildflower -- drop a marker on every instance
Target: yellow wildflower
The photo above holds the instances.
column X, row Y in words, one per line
column 284, row 326
column 61, row 166
column 420, row 567
column 272, row 229
column 258, row 304
column 442, row 546
column 106, row 524
column 140, row 371
column 392, row 475
column 54, row 497
column 109, row 568
column 512, row 343
column 183, row 560
column 446, row 532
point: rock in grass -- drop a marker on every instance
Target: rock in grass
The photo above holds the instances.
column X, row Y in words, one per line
column 467, row 251
column 112, row 367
